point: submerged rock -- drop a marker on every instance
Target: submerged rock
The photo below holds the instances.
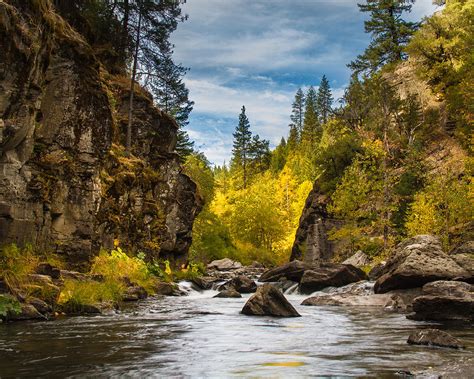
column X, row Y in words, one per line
column 224, row 264
column 434, row 337
column 293, row 270
column 330, row 275
column 417, row 261
column 230, row 292
column 269, row 301
column 445, row 301
column 382, row 300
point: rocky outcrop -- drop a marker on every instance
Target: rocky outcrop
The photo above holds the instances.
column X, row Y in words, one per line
column 417, row 261
column 330, row 275
column 312, row 245
column 434, row 337
column 66, row 182
column 445, row 301
column 293, row 270
column 269, row 301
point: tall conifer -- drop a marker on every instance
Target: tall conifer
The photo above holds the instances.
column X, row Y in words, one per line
column 324, row 100
column 390, row 34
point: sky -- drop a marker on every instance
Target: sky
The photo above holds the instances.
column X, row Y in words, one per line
column 257, row 53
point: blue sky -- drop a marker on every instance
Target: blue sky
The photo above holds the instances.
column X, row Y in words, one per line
column 257, row 53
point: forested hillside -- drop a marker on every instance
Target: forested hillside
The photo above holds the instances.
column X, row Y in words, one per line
column 393, row 157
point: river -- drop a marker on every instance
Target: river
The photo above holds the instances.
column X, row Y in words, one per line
column 199, row 336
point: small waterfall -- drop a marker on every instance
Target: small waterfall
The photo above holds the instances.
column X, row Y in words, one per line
column 292, row 290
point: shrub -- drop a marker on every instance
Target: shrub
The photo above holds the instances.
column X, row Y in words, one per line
column 17, row 263
column 8, row 304
column 116, row 265
column 75, row 294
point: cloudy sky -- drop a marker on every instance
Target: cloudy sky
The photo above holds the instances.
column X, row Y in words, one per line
column 257, row 53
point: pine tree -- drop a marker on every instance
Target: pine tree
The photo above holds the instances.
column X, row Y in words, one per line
column 297, row 112
column 311, row 120
column 293, row 139
column 184, row 146
column 324, row 100
column 390, row 34
column 241, row 145
column 259, row 153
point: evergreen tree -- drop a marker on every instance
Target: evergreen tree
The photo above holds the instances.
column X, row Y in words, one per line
column 390, row 34
column 259, row 153
column 293, row 139
column 324, row 100
column 279, row 155
column 311, row 119
column 241, row 145
column 184, row 146
column 297, row 112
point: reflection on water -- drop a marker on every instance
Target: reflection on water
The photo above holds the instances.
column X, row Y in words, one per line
column 198, row 336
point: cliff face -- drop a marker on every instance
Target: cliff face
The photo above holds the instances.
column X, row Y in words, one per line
column 65, row 182
column 311, row 240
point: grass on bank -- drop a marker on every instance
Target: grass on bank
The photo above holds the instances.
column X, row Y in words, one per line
column 110, row 274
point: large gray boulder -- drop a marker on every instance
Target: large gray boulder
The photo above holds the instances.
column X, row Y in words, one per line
column 445, row 301
column 293, row 270
column 224, row 264
column 330, row 275
column 417, row 261
column 269, row 301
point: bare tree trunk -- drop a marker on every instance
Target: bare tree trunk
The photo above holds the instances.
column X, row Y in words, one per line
column 132, row 85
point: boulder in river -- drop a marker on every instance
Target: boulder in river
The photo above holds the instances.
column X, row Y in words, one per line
column 204, row 282
column 135, row 293
column 377, row 271
column 293, row 270
column 359, row 259
column 434, row 337
column 417, row 261
column 444, row 301
column 330, row 275
column 229, row 293
column 167, row 289
column 269, row 301
column 224, row 264
column 241, row 284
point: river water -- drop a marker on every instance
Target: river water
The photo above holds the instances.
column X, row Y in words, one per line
column 199, row 336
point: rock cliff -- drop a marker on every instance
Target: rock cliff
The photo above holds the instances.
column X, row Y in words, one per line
column 66, row 183
column 311, row 240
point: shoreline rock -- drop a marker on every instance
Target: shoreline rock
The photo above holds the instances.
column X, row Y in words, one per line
column 330, row 275
column 434, row 337
column 417, row 261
